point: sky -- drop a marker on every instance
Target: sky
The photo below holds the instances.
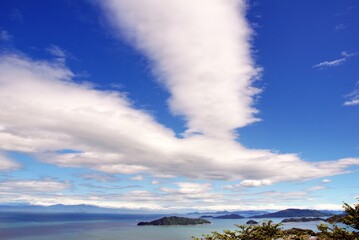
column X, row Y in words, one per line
column 172, row 105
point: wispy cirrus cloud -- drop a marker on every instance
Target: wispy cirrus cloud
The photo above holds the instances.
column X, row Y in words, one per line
column 354, row 101
column 16, row 15
column 353, row 97
column 5, row 36
column 316, row 188
column 336, row 62
column 57, row 52
column 330, row 63
column 347, row 54
column 341, row 27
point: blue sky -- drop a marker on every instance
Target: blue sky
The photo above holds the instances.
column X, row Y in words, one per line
column 170, row 105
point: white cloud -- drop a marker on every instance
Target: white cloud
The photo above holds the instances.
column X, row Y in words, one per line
column 98, row 177
column 316, row 188
column 341, row 26
column 137, row 178
column 7, row 164
column 229, row 186
column 105, row 188
column 188, row 195
column 326, row 180
column 353, row 96
column 16, row 15
column 192, row 188
column 201, row 54
column 330, row 63
column 348, row 54
column 255, row 183
column 352, row 102
column 5, row 36
column 189, row 188
column 30, row 186
column 248, row 183
column 57, row 52
column 337, row 62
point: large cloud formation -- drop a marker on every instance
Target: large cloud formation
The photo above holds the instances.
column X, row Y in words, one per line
column 201, row 53
column 43, row 111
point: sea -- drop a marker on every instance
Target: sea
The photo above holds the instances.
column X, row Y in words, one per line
column 82, row 226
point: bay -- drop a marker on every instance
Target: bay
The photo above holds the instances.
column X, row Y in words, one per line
column 17, row 226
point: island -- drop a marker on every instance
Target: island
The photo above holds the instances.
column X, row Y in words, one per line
column 230, row 216
column 173, row 220
column 206, row 216
column 303, row 219
column 251, row 222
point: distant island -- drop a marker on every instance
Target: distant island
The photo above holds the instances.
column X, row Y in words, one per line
column 174, row 221
column 251, row 222
column 303, row 219
column 230, row 216
column 294, row 213
column 206, row 216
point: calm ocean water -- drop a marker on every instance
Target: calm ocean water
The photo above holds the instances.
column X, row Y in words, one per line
column 109, row 227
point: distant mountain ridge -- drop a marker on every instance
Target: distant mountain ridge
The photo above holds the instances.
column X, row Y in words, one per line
column 69, row 216
column 292, row 212
column 84, row 208
column 239, row 212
